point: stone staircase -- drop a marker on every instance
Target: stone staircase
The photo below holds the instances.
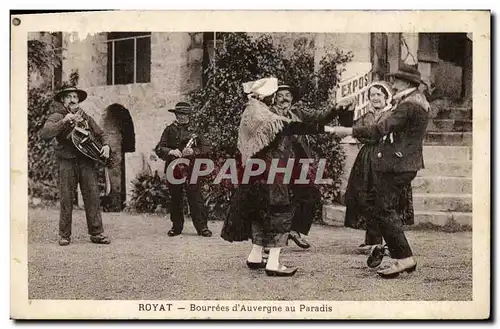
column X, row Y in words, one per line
column 442, row 192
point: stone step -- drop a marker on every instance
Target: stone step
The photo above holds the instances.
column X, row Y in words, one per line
column 448, row 138
column 449, row 125
column 333, row 215
column 453, row 113
column 446, row 169
column 442, row 202
column 442, row 184
column 441, row 153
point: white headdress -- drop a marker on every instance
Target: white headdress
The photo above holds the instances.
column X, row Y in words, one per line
column 261, row 88
column 258, row 125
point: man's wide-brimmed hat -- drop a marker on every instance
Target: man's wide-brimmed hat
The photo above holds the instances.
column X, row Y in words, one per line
column 292, row 90
column 408, row 73
column 82, row 95
column 182, row 107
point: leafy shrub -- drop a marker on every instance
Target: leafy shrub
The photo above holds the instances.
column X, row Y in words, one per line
column 42, row 165
column 149, row 194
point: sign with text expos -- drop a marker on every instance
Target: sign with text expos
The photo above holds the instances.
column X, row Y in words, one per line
column 355, row 81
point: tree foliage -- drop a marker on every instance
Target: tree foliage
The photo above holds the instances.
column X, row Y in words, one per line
column 42, row 165
column 42, row 56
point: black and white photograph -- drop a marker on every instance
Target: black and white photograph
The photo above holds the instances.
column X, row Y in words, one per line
column 202, row 166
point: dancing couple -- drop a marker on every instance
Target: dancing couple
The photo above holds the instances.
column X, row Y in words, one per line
column 263, row 212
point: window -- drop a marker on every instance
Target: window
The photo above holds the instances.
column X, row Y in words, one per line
column 129, row 57
column 452, row 47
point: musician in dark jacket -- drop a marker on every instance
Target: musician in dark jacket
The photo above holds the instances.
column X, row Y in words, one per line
column 397, row 165
column 172, row 145
column 74, row 167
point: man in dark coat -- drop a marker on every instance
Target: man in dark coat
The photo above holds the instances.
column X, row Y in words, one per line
column 74, row 167
column 397, row 165
column 306, row 198
column 262, row 208
column 173, row 145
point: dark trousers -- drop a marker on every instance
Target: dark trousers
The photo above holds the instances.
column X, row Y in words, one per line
column 71, row 173
column 388, row 188
column 196, row 206
column 373, row 234
column 306, row 202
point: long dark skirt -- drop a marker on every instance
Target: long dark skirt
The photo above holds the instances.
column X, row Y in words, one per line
column 250, row 203
column 360, row 191
column 250, row 206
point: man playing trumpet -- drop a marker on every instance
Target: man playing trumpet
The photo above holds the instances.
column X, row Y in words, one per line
column 74, row 167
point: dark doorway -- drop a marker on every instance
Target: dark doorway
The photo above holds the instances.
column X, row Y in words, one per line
column 450, row 58
column 119, row 127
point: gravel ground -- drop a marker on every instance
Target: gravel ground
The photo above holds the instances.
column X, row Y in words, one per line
column 142, row 262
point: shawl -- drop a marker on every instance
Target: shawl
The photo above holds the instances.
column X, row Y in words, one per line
column 259, row 126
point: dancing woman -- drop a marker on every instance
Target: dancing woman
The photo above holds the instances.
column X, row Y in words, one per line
column 360, row 187
column 259, row 211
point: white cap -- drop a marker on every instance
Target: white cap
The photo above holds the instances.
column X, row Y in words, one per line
column 263, row 87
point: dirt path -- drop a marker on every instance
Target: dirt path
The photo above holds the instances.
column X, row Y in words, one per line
column 144, row 263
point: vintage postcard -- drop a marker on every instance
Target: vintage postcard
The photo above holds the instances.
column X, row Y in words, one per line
column 250, row 165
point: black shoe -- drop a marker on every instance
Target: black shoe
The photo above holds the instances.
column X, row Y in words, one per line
column 289, row 271
column 64, row 241
column 100, row 239
column 256, row 266
column 376, row 256
column 299, row 241
column 206, row 233
column 173, row 232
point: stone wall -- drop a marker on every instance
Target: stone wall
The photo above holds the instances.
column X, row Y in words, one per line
column 175, row 70
column 320, row 43
column 358, row 43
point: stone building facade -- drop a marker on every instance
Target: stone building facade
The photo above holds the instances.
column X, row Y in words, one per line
column 133, row 79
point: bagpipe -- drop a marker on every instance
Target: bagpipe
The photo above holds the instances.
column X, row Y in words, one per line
column 87, row 144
